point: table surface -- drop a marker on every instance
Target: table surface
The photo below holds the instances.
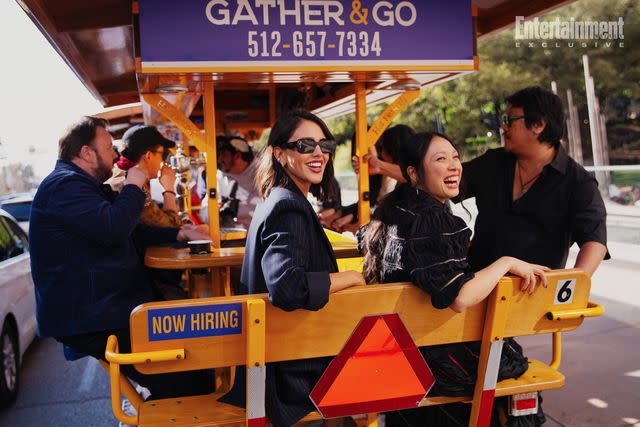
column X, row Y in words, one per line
column 171, row 258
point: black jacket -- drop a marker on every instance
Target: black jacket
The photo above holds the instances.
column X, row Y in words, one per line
column 86, row 253
column 426, row 244
column 288, row 255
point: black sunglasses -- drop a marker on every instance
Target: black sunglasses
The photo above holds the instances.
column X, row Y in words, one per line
column 164, row 153
column 507, row 119
column 308, row 145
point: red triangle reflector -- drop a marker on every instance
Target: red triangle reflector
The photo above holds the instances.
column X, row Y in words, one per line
column 378, row 369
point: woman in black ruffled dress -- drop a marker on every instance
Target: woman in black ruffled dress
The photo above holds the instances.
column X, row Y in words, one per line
column 415, row 237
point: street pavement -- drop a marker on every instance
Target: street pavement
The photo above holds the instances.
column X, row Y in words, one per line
column 601, row 359
column 601, row 363
column 58, row 393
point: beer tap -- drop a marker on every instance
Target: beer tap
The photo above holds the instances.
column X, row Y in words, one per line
column 180, row 163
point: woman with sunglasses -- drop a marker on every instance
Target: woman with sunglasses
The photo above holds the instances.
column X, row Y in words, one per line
column 287, row 253
column 145, row 147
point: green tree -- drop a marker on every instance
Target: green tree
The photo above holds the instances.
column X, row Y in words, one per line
column 462, row 104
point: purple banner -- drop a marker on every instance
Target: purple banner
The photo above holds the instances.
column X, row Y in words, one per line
column 243, row 32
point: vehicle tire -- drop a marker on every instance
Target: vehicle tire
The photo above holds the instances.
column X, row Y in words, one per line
column 9, row 355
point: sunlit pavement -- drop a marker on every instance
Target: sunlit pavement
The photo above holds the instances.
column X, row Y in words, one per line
column 601, row 362
column 601, row 359
column 55, row 392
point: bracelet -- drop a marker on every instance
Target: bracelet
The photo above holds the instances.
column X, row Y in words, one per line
column 168, row 191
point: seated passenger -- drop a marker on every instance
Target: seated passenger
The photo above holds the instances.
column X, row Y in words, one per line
column 87, row 245
column 384, row 173
column 415, row 237
column 237, row 190
column 288, row 254
column 146, row 147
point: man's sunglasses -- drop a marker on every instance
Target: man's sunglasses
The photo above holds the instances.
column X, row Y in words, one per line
column 164, row 153
column 507, row 119
column 308, row 145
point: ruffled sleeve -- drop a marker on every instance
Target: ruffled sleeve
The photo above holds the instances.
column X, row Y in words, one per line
column 435, row 254
column 442, row 283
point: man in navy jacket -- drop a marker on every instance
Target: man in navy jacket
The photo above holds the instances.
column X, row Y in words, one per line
column 87, row 249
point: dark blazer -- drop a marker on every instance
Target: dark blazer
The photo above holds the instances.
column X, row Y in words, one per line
column 86, row 253
column 289, row 256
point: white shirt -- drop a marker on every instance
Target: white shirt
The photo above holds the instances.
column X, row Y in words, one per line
column 247, row 194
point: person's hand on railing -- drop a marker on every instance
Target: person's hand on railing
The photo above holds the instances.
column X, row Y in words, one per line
column 345, row 279
column 372, row 159
column 531, row 274
column 355, row 164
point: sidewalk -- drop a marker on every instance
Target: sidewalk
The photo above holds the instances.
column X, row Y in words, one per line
column 601, row 368
column 600, row 359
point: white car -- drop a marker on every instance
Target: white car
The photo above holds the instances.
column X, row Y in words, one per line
column 17, row 305
column 18, row 205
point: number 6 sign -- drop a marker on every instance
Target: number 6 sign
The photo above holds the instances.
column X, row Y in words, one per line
column 564, row 291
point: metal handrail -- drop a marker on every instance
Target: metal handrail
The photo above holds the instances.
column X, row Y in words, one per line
column 144, row 356
column 592, row 310
column 114, row 377
column 116, row 359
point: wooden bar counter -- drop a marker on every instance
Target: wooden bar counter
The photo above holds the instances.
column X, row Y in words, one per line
column 171, row 258
column 218, row 280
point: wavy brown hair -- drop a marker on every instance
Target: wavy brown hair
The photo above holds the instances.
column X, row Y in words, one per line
column 270, row 172
column 77, row 135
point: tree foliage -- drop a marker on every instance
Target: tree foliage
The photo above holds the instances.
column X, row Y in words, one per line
column 468, row 107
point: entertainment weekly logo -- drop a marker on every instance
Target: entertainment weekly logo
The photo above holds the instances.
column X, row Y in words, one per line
column 573, row 34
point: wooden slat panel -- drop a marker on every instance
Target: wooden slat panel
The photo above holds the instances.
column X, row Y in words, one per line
column 74, row 15
column 323, row 333
column 89, row 53
column 123, row 112
column 39, row 13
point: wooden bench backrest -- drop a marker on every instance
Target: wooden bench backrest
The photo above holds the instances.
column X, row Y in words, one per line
column 305, row 334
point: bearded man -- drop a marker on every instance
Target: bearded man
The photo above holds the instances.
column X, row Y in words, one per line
column 87, row 250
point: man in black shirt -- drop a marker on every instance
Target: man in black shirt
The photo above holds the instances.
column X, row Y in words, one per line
column 534, row 201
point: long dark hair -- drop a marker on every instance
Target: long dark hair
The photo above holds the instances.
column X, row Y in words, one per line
column 373, row 238
column 392, row 140
column 270, row 172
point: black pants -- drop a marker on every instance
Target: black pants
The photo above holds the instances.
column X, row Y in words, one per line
column 161, row 385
